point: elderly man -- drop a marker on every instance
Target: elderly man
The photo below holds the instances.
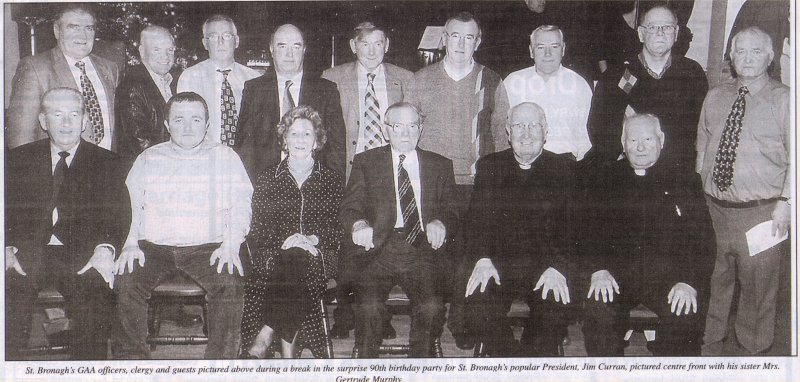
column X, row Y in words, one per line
column 397, row 208
column 63, row 200
column 520, row 238
column 219, row 80
column 366, row 87
column 268, row 97
column 744, row 158
column 143, row 93
column 563, row 94
column 70, row 64
column 669, row 86
column 190, row 198
column 645, row 245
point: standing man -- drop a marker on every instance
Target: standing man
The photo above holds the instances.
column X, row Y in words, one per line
column 669, row 86
column 143, row 93
column 63, row 202
column 70, row 64
column 397, row 207
column 267, row 98
column 563, row 94
column 744, row 158
column 190, row 200
column 219, row 80
column 367, row 87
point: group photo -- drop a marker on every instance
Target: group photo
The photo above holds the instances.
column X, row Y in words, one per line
column 380, row 179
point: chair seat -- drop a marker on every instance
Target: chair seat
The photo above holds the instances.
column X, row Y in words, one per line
column 397, row 297
column 49, row 295
column 641, row 312
column 178, row 286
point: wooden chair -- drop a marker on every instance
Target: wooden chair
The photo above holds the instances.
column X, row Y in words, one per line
column 47, row 298
column 179, row 289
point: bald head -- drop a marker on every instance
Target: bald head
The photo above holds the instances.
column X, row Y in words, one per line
column 527, row 131
column 288, row 48
column 642, row 140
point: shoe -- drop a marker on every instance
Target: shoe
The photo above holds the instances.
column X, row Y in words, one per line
column 388, row 331
column 339, row 332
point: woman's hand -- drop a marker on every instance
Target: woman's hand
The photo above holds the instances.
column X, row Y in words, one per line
column 306, row 243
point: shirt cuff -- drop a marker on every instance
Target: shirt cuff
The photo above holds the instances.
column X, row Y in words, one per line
column 109, row 246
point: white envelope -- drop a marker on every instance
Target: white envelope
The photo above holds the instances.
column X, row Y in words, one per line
column 759, row 238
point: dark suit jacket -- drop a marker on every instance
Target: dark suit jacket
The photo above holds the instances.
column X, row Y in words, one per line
column 258, row 145
column 140, row 112
column 346, row 78
column 523, row 219
column 370, row 193
column 92, row 210
column 39, row 73
column 649, row 231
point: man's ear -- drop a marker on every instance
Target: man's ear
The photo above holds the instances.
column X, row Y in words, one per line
column 530, row 49
column 166, row 124
column 661, row 138
column 353, row 45
column 477, row 42
column 236, row 38
column 641, row 32
column 85, row 121
column 385, row 131
column 56, row 31
column 43, row 121
column 386, row 46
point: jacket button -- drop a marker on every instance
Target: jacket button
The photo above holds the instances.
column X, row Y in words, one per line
column 354, row 143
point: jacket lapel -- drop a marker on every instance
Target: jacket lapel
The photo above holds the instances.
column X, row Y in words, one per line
column 394, row 89
column 64, row 76
column 427, row 180
column 385, row 169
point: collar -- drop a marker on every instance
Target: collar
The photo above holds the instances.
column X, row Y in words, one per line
column 458, row 74
column 362, row 71
column 55, row 150
column 296, row 79
column 411, row 156
column 756, row 85
column 157, row 77
column 283, row 168
column 71, row 61
column 216, row 67
column 650, row 71
column 555, row 74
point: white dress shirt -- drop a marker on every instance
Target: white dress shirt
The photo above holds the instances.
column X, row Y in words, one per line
column 99, row 90
column 379, row 83
column 411, row 164
column 204, row 79
column 566, row 99
column 54, row 159
column 162, row 83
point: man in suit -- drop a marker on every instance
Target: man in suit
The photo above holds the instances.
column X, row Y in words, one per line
column 646, row 244
column 397, row 208
column 143, row 93
column 70, row 64
column 366, row 87
column 63, row 200
column 519, row 233
column 265, row 99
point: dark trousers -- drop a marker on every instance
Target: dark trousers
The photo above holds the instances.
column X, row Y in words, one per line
column 224, row 294
column 419, row 271
column 89, row 303
column 487, row 312
column 605, row 324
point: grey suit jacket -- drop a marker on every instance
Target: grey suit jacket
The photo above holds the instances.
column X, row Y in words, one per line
column 39, row 73
column 346, row 78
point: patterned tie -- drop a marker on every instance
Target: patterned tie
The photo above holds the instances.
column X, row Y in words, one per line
column 228, row 108
column 726, row 153
column 166, row 91
column 92, row 105
column 372, row 117
column 408, row 204
column 288, row 101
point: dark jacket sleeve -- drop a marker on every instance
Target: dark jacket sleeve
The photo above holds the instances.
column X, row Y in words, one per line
column 334, row 150
column 446, row 184
column 354, row 203
column 138, row 126
column 247, row 126
column 263, row 229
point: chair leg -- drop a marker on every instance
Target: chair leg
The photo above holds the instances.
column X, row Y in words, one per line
column 355, row 352
column 328, row 342
column 480, row 350
column 205, row 317
column 152, row 321
column 437, row 348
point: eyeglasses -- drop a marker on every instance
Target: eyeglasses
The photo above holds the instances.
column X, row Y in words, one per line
column 399, row 127
column 227, row 36
column 520, row 127
column 455, row 36
column 653, row 29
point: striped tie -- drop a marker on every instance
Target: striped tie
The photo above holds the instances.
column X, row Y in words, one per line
column 228, row 108
column 408, row 204
column 372, row 117
column 92, row 106
column 288, row 101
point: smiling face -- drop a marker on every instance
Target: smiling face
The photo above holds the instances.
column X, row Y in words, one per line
column 402, row 129
column 288, row 50
column 751, row 55
column 547, row 50
column 642, row 142
column 300, row 138
column 220, row 40
column 157, row 51
column 370, row 47
column 75, row 33
column 527, row 131
column 461, row 40
column 187, row 124
column 659, row 43
column 63, row 118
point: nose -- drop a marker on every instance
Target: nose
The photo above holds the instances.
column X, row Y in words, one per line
column 461, row 41
column 548, row 51
column 290, row 53
column 640, row 146
column 371, row 50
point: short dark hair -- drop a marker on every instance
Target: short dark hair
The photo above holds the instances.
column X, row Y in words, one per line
column 366, row 27
column 52, row 92
column 465, row 17
column 88, row 9
column 303, row 112
column 185, row 97
column 272, row 36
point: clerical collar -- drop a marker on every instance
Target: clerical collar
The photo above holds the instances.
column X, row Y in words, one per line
column 650, row 71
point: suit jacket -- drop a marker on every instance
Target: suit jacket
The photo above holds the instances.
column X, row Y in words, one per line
column 523, row 219
column 370, row 193
column 39, row 73
column 140, row 112
column 91, row 211
column 346, row 78
column 259, row 146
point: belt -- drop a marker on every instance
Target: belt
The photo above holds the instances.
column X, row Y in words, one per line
column 749, row 204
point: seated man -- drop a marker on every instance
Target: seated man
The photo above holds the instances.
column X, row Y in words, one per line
column 396, row 206
column 190, row 198
column 646, row 245
column 63, row 200
column 519, row 233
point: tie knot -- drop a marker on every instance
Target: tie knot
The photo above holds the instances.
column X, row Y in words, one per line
column 63, row 154
column 402, row 158
column 370, row 77
column 80, row 65
column 224, row 73
column 289, row 83
column 743, row 90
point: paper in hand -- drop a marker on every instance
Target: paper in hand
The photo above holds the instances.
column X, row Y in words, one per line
column 759, row 238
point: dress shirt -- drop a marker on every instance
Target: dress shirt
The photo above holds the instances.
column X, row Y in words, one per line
column 762, row 166
column 162, row 83
column 204, row 79
column 566, row 99
column 297, row 81
column 457, row 74
column 411, row 164
column 189, row 197
column 379, row 83
column 99, row 89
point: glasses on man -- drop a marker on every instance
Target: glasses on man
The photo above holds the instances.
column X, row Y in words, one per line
column 666, row 29
column 400, row 127
column 519, row 128
column 227, row 36
column 468, row 38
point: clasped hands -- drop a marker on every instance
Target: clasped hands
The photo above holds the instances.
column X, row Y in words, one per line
column 435, row 232
column 551, row 279
column 682, row 297
column 306, row 243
